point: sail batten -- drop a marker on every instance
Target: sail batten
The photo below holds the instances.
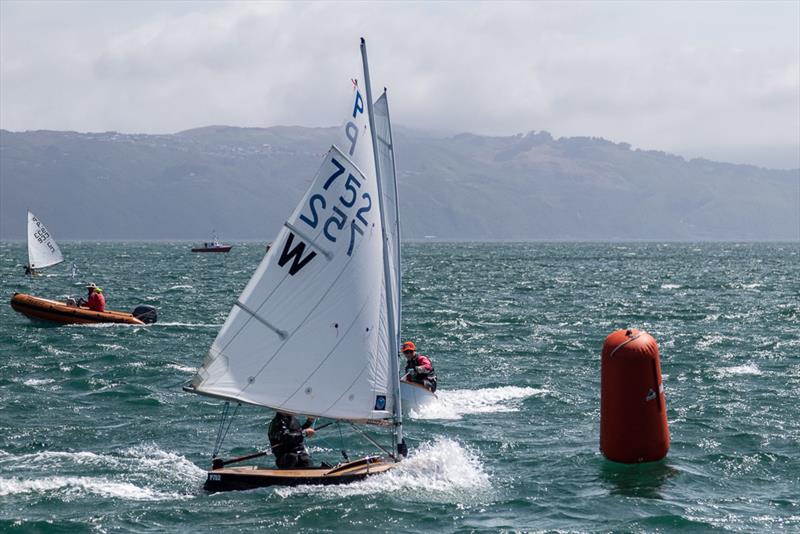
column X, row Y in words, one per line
column 281, row 333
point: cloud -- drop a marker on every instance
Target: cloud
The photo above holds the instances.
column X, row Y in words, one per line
column 672, row 76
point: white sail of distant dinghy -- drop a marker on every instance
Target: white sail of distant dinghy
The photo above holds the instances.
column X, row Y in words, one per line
column 386, row 166
column 315, row 330
column 42, row 248
column 415, row 396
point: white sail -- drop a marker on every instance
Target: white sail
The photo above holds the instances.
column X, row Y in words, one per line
column 309, row 333
column 386, row 162
column 42, row 248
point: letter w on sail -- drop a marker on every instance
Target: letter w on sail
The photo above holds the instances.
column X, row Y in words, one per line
column 295, row 254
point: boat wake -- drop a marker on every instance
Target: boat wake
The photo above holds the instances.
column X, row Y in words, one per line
column 103, row 325
column 454, row 404
column 142, row 473
column 189, row 325
column 442, row 470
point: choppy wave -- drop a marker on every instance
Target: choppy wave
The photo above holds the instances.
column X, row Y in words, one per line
column 454, row 404
column 671, row 286
column 180, row 287
column 72, row 487
column 112, row 346
column 746, row 369
column 136, row 474
column 181, row 368
column 515, row 458
column 38, row 381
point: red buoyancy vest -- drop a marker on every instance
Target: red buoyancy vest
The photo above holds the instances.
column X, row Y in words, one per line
column 418, row 360
column 96, row 302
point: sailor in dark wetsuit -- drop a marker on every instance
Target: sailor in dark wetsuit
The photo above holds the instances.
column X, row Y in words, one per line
column 286, row 437
column 419, row 368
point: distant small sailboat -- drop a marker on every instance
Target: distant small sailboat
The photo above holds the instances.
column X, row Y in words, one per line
column 213, row 246
column 43, row 251
column 316, row 330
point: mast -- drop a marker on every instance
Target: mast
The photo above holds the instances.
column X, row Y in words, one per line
column 393, row 335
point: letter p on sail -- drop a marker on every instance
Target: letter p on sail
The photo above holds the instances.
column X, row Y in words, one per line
column 358, row 104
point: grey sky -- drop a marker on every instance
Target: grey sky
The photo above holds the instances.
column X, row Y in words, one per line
column 720, row 80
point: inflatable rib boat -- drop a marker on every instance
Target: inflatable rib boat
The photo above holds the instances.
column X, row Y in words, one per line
column 60, row 312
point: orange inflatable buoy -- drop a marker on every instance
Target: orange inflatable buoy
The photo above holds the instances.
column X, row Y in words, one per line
column 633, row 410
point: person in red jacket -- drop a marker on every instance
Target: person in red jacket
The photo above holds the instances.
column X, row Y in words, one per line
column 419, row 368
column 95, row 300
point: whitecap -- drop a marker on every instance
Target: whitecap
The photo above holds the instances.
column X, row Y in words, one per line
column 755, row 285
column 746, row 369
column 453, row 404
column 671, row 286
column 180, row 286
column 152, row 458
column 140, row 461
column 111, row 346
column 708, row 341
column 71, row 487
column 38, row 381
column 181, row 368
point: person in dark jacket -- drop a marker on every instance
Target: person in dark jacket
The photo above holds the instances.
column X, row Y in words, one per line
column 419, row 368
column 287, row 436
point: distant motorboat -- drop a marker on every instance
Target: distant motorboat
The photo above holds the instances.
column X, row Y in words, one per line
column 213, row 246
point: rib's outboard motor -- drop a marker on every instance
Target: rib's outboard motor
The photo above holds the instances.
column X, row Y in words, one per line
column 146, row 314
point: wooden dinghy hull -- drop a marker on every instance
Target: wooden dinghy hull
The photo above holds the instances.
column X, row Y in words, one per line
column 59, row 312
column 252, row 477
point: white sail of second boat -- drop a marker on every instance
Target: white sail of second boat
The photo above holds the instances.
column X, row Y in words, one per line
column 386, row 163
column 42, row 248
column 310, row 332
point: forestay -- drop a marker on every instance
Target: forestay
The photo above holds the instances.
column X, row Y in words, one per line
column 309, row 333
column 42, row 248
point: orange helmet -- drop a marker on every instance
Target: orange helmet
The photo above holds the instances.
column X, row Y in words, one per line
column 408, row 345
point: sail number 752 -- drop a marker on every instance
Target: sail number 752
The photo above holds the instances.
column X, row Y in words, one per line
column 340, row 208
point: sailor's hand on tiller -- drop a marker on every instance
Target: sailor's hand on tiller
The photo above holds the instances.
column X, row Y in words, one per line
column 308, row 432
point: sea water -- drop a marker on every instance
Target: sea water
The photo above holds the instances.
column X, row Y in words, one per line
column 96, row 434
